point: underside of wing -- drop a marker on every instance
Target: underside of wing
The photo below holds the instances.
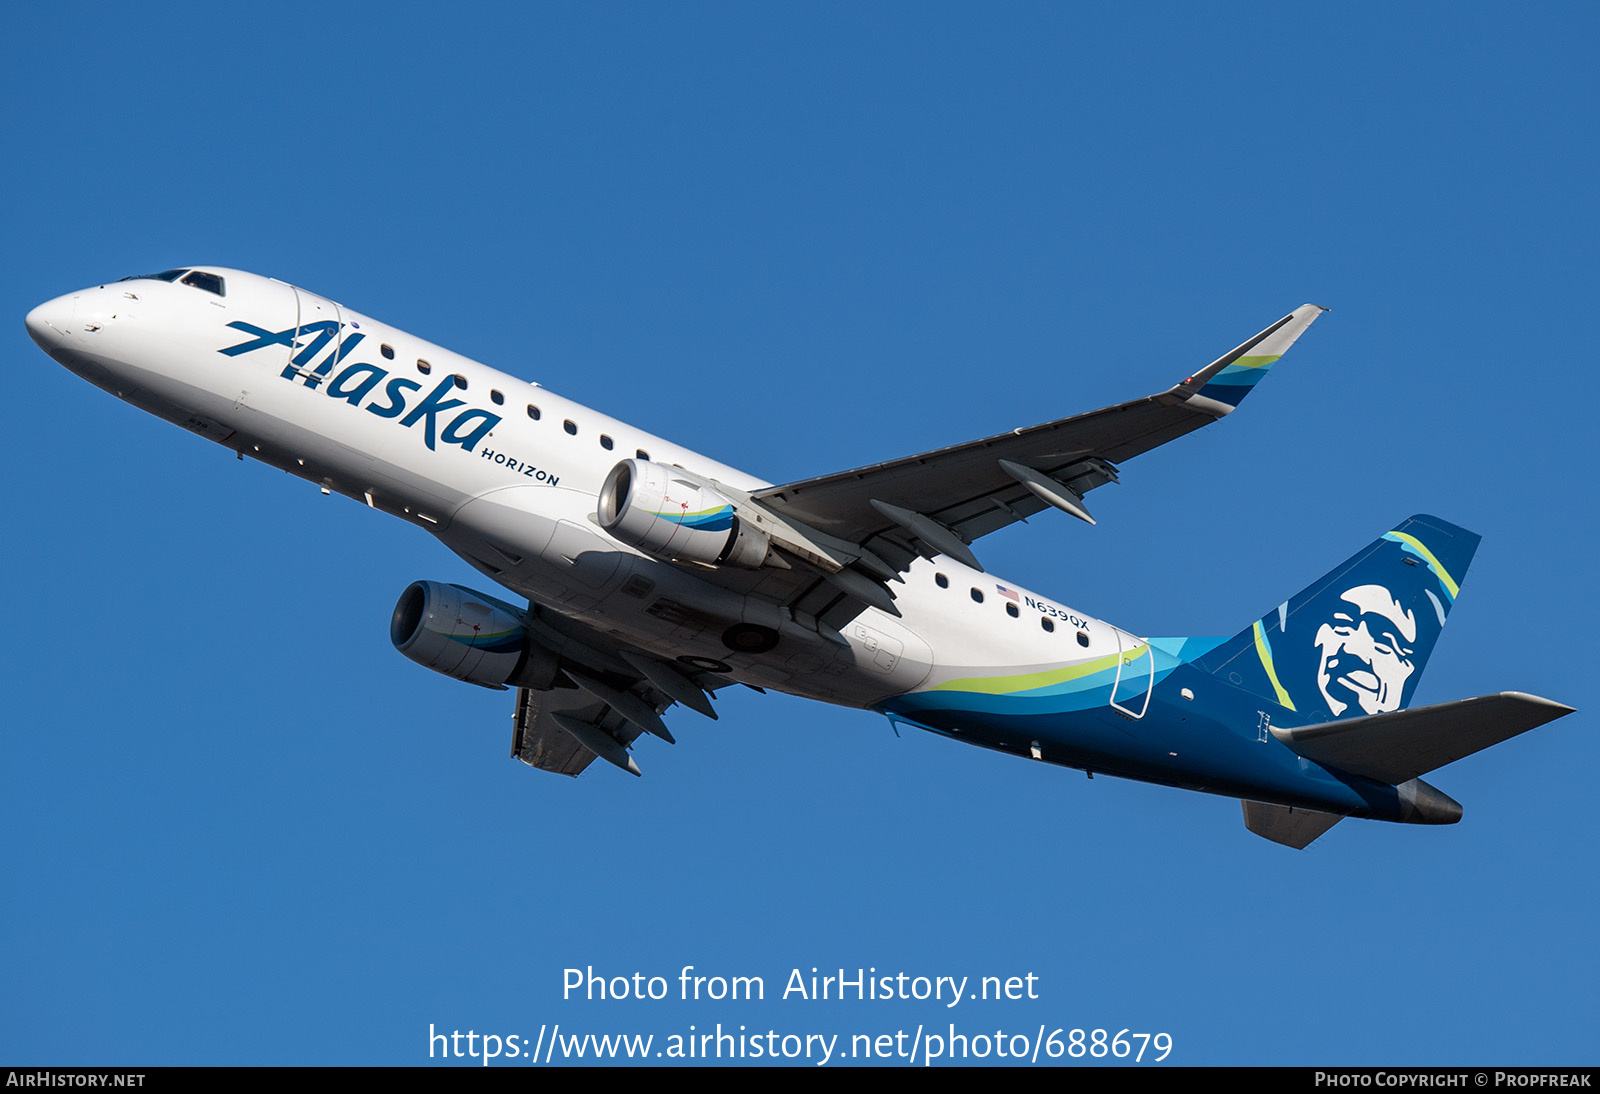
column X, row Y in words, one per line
column 971, row 489
column 887, row 515
column 538, row 741
column 601, row 701
column 825, row 549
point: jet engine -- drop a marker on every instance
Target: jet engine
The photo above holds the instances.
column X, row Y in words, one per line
column 469, row 636
column 663, row 512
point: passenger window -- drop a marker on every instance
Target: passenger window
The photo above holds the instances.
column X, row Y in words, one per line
column 1011, row 610
column 941, row 581
column 496, row 398
column 643, row 455
column 1083, row 639
column 387, row 351
column 423, row 366
column 461, row 381
column 209, row 282
column 606, row 442
column 533, row 412
column 570, row 427
column 977, row 597
column 1047, row 623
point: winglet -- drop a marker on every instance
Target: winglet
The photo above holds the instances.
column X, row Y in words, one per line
column 1223, row 384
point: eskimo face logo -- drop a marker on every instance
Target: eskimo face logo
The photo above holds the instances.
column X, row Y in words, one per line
column 1365, row 652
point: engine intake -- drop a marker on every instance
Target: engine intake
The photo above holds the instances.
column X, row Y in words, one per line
column 469, row 636
column 663, row 512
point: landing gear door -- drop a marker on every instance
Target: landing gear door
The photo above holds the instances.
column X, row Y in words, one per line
column 1136, row 674
column 321, row 340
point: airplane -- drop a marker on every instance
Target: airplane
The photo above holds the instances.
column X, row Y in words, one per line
column 647, row 575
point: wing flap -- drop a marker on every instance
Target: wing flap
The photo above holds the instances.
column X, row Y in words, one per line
column 540, row 741
column 564, row 729
column 1400, row 745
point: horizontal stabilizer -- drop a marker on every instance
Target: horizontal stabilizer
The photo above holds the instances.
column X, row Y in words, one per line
column 1402, row 744
column 1288, row 825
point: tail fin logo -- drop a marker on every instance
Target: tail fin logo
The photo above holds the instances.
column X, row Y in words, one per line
column 1356, row 641
column 1365, row 651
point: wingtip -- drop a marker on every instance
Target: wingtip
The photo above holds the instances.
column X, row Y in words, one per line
column 1561, row 710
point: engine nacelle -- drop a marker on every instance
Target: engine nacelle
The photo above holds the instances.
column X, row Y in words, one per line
column 663, row 512
column 469, row 636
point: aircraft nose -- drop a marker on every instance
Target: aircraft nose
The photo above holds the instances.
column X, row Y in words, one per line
column 50, row 321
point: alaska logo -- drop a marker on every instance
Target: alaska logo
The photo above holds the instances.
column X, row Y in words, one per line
column 357, row 381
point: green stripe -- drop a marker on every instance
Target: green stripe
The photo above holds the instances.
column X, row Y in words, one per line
column 1032, row 681
column 1264, row 651
column 1433, row 563
column 1257, row 362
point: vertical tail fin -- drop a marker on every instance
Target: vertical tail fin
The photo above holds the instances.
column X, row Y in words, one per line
column 1356, row 641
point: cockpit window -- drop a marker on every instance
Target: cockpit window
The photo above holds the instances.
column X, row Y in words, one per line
column 209, row 282
column 164, row 275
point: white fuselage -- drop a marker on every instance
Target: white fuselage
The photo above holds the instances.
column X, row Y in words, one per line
column 506, row 474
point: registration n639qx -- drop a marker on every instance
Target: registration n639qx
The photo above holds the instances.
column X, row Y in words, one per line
column 636, row 574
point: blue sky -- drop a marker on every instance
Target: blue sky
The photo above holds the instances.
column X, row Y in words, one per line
column 239, row 828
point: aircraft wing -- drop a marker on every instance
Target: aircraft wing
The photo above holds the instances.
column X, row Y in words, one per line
column 603, row 700
column 855, row 531
column 841, row 540
column 539, row 741
column 969, row 490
